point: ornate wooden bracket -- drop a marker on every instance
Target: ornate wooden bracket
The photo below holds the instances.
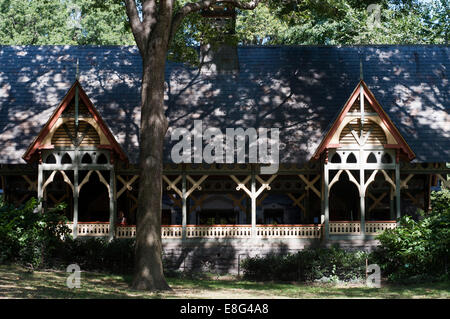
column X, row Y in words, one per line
column 88, row 175
column 261, row 199
column 176, row 201
column 310, row 184
column 350, row 177
column 52, row 176
column 376, row 201
column 237, row 202
column 253, row 195
column 444, row 181
column 197, row 201
column 404, row 183
column 173, row 184
column 126, row 184
column 413, row 199
column 32, row 185
column 297, row 201
column 386, row 177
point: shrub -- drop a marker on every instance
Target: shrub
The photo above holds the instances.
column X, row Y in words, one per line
column 97, row 254
column 29, row 237
column 418, row 249
column 307, row 265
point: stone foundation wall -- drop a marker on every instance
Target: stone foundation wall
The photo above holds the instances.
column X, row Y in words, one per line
column 224, row 256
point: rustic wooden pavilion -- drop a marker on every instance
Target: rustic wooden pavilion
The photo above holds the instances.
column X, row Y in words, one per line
column 364, row 137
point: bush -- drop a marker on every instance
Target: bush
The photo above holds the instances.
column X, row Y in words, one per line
column 29, row 237
column 418, row 249
column 97, row 254
column 307, row 265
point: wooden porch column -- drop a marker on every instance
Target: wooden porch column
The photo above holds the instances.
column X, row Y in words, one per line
column 397, row 190
column 362, row 201
column 253, row 203
column 75, row 196
column 183, row 206
column 326, row 211
column 112, row 204
column 391, row 205
column 39, row 187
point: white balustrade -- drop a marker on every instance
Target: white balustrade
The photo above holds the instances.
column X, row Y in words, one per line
column 345, row 228
column 92, row 229
column 240, row 231
column 289, row 231
column 376, row 227
column 171, row 231
column 126, row 231
column 218, row 231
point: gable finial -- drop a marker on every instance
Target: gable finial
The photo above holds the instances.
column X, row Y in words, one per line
column 361, row 73
column 77, row 74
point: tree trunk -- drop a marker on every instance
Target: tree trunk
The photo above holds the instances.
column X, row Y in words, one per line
column 149, row 273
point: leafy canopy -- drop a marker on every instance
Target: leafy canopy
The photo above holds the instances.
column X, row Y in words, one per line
column 314, row 22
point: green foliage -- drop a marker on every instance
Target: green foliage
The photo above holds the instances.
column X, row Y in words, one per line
column 101, row 22
column 97, row 254
column 332, row 22
column 418, row 249
column 35, row 22
column 53, row 22
column 30, row 237
column 314, row 22
column 307, row 265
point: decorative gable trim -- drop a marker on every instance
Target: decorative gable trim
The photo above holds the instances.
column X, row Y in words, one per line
column 395, row 139
column 40, row 142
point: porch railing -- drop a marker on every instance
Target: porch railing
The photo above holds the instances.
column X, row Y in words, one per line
column 377, row 227
column 354, row 227
column 97, row 229
column 289, row 231
column 100, row 229
column 219, row 231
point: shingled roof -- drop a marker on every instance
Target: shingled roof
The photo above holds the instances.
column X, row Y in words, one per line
column 298, row 89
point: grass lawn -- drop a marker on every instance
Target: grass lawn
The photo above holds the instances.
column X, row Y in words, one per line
column 18, row 282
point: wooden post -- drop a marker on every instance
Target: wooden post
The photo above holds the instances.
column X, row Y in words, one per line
column 397, row 190
column 253, row 200
column 183, row 207
column 112, row 204
column 326, row 211
column 391, row 205
column 75, row 199
column 362, row 198
column 39, row 186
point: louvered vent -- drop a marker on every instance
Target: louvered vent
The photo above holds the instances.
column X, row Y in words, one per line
column 61, row 138
column 377, row 136
column 82, row 110
column 356, row 108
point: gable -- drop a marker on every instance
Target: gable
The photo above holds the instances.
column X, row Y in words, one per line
column 60, row 130
column 363, row 123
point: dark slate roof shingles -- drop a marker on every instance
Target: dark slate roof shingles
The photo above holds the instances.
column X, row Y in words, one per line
column 298, row 89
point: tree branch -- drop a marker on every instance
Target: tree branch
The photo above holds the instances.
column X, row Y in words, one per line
column 136, row 24
column 197, row 6
column 244, row 5
column 185, row 11
column 149, row 17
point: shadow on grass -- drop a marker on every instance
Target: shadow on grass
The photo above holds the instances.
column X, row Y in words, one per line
column 18, row 282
